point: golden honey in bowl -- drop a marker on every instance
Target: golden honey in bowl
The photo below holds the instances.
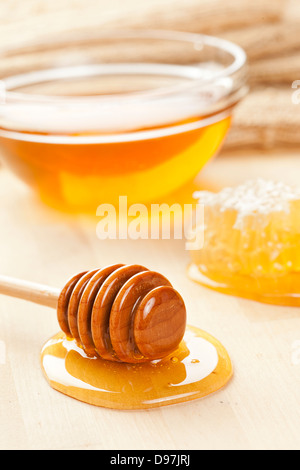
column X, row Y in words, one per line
column 251, row 242
column 114, row 168
column 140, row 125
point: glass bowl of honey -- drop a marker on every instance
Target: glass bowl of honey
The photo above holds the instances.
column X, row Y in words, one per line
column 85, row 119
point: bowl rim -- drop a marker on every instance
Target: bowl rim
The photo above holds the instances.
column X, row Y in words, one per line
column 237, row 52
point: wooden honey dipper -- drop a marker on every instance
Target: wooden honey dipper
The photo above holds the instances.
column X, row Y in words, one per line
column 123, row 313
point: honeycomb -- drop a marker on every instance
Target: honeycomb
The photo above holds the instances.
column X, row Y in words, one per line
column 251, row 242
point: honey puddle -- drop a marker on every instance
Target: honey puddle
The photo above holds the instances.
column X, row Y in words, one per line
column 199, row 367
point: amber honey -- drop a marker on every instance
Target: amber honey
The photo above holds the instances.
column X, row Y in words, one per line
column 199, row 367
column 83, row 136
column 81, row 175
column 89, row 118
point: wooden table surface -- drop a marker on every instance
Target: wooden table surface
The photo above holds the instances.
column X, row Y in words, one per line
column 258, row 409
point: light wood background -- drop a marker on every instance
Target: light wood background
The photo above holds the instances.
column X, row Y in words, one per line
column 259, row 408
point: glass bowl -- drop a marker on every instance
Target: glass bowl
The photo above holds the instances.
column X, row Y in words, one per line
column 87, row 118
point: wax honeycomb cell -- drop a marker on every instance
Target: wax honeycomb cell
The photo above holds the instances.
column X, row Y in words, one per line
column 251, row 242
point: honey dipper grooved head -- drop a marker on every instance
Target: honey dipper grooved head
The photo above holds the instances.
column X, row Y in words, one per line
column 122, row 313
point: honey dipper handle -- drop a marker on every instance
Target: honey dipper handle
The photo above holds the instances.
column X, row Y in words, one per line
column 37, row 293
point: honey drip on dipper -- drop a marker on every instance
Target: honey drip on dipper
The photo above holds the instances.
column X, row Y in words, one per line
column 124, row 342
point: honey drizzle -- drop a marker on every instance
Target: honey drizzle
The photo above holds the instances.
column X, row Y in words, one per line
column 199, row 367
